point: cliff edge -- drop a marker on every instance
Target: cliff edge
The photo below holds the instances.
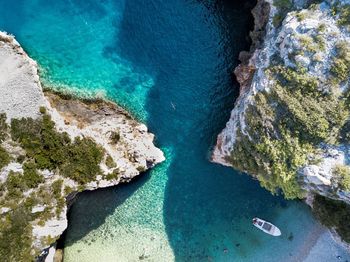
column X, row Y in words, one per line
column 290, row 126
column 53, row 146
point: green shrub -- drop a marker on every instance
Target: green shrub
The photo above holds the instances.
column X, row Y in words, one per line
column 321, row 28
column 61, row 203
column 273, row 161
column 21, row 158
column 301, row 16
column 333, row 214
column 3, row 127
column 4, row 158
column 45, row 149
column 57, row 188
column 31, row 176
column 277, row 20
column 283, row 7
column 16, row 236
column 15, row 185
column 340, row 68
column 68, row 190
column 286, row 125
column 42, row 110
column 83, row 160
column 115, row 137
column 344, row 15
column 110, row 162
column 320, row 43
column 296, row 79
column 345, row 133
column 50, row 149
column 342, row 177
column 310, row 114
column 113, row 175
column 40, row 140
column 309, row 43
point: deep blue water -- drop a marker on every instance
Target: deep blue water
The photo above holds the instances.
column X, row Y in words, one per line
column 170, row 63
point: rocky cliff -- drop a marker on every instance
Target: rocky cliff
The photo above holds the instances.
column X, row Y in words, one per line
column 290, row 124
column 52, row 146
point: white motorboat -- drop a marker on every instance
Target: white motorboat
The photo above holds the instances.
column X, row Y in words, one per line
column 267, row 227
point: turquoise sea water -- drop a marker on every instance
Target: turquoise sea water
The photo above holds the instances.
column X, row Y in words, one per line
column 170, row 64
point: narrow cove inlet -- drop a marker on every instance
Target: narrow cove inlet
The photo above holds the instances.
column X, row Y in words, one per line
column 169, row 63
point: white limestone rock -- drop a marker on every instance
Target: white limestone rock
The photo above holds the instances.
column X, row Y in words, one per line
column 14, row 167
column 22, row 96
column 21, row 93
column 319, row 178
column 306, row 38
column 4, row 210
column 38, row 208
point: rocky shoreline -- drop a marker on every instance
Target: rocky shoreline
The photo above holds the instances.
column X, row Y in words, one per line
column 306, row 38
column 126, row 145
column 245, row 73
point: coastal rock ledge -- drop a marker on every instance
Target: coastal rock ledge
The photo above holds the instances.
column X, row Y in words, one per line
column 290, row 127
column 46, row 140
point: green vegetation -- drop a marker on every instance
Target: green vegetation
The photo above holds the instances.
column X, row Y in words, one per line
column 342, row 177
column 309, row 114
column 333, row 214
column 141, row 169
column 286, row 125
column 283, row 7
column 57, row 188
column 321, row 28
column 3, row 127
column 68, row 190
column 344, row 15
column 45, row 148
column 42, row 110
column 115, row 137
column 49, row 149
column 113, row 175
column 341, row 63
column 15, row 185
column 301, row 15
column 313, row 44
column 82, row 161
column 4, row 158
column 31, row 176
column 110, row 162
column 16, row 236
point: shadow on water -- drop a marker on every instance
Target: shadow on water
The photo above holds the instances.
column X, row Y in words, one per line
column 191, row 50
column 95, row 206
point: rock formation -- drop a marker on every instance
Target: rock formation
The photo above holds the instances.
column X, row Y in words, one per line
column 102, row 128
column 290, row 124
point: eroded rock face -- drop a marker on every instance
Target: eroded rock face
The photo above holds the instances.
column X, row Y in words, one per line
column 124, row 139
column 306, row 45
column 249, row 74
column 126, row 142
column 320, row 178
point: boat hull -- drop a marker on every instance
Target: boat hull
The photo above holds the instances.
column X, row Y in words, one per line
column 266, row 227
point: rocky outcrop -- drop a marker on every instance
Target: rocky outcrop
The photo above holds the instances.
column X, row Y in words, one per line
column 246, row 73
column 126, row 144
column 321, row 178
column 127, row 141
column 294, row 85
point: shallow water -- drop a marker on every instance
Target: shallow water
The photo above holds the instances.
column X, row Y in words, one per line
column 170, row 63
